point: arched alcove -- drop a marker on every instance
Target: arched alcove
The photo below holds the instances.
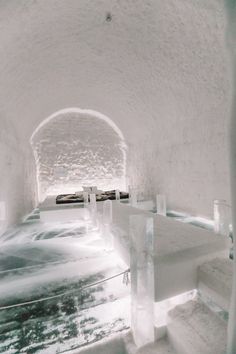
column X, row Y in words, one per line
column 75, row 147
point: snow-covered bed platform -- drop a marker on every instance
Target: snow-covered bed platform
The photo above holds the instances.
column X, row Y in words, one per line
column 52, row 212
column 179, row 249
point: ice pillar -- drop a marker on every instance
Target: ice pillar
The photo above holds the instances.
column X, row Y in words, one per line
column 85, row 196
column 93, row 209
column 142, row 279
column 133, row 196
column 86, row 210
column 117, row 195
column 222, row 217
column 161, row 204
column 231, row 37
column 107, row 221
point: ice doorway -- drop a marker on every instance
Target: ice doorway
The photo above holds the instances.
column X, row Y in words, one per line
column 75, row 147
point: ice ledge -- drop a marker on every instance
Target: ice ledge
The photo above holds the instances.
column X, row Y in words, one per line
column 179, row 249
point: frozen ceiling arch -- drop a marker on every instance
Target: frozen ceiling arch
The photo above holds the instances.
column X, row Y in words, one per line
column 158, row 69
column 89, row 112
column 75, row 147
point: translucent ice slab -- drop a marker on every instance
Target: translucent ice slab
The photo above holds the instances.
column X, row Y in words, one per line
column 142, row 279
column 205, row 223
column 59, row 289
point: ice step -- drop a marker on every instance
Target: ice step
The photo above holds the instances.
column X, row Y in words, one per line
column 124, row 344
column 194, row 328
column 215, row 281
column 162, row 346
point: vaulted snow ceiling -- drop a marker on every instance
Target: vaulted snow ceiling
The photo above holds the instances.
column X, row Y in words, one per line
column 157, row 69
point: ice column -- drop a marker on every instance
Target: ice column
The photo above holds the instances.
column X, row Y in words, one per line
column 140, row 193
column 86, row 209
column 142, row 279
column 222, row 217
column 85, row 196
column 161, row 204
column 231, row 37
column 93, row 209
column 117, row 194
column 133, row 196
column 107, row 220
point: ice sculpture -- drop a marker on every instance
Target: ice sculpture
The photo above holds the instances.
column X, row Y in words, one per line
column 142, row 279
column 107, row 220
column 161, row 204
column 117, row 194
column 222, row 217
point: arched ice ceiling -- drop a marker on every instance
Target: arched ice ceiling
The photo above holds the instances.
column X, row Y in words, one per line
column 58, row 54
column 158, row 69
column 139, row 67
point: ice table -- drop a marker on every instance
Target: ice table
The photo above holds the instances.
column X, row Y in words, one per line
column 179, row 249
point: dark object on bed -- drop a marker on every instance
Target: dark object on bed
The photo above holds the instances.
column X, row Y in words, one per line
column 78, row 198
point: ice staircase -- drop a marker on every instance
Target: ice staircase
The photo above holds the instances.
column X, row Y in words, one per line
column 196, row 329
column 187, row 258
column 200, row 326
column 215, row 281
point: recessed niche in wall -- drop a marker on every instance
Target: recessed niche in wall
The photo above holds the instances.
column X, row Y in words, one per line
column 76, row 147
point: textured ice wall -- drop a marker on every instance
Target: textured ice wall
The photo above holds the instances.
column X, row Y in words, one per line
column 186, row 150
column 75, row 149
column 158, row 68
column 17, row 177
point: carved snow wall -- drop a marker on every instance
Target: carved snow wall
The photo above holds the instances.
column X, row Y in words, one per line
column 77, row 148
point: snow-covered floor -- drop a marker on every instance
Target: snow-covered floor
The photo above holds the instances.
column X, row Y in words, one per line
column 53, row 296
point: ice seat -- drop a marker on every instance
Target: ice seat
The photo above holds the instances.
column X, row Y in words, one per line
column 194, row 328
column 215, row 281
